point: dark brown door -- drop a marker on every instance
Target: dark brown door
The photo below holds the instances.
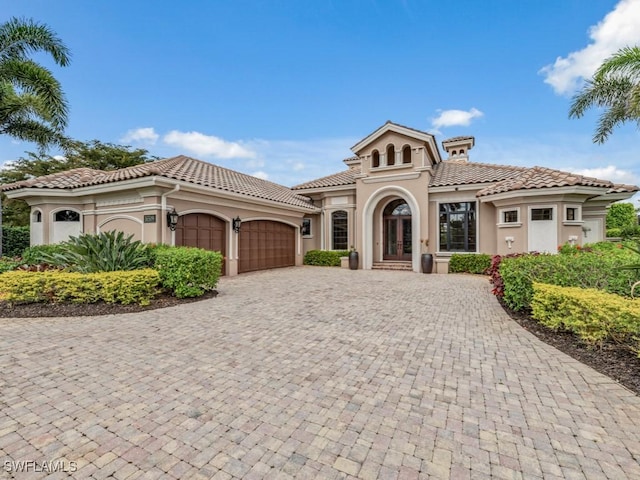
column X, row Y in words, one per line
column 202, row 231
column 265, row 244
column 397, row 238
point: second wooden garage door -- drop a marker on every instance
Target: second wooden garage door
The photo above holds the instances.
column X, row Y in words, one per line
column 265, row 244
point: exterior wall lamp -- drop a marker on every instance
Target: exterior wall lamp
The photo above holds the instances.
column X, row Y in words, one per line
column 236, row 224
column 172, row 219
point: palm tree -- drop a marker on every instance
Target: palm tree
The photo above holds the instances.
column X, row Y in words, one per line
column 616, row 87
column 32, row 105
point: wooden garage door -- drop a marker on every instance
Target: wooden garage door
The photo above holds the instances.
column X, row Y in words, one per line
column 202, row 231
column 265, row 244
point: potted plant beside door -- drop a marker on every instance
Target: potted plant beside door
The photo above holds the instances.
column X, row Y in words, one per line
column 426, row 260
column 353, row 258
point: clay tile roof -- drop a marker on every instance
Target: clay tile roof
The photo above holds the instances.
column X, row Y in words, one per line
column 180, row 168
column 457, row 139
column 465, row 173
column 541, row 177
column 337, row 179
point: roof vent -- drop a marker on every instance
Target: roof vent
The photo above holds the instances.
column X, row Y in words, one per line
column 458, row 148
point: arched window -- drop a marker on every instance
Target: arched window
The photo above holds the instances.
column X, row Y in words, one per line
column 339, row 230
column 37, row 216
column 391, row 155
column 67, row 216
column 397, row 207
column 462, row 151
column 375, row 159
column 454, row 153
column 406, row 154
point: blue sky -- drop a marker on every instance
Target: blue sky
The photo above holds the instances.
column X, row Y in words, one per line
column 282, row 89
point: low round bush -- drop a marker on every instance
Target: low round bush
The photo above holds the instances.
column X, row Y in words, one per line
column 477, row 263
column 186, row 271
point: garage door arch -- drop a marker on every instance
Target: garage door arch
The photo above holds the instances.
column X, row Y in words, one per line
column 202, row 230
column 264, row 244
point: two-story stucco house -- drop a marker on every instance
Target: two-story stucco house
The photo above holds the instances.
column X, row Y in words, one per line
column 398, row 198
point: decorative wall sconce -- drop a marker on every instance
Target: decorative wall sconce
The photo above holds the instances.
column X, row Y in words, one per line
column 172, row 219
column 236, row 224
column 509, row 241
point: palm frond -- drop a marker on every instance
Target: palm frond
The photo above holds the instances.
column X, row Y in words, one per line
column 20, row 37
column 624, row 63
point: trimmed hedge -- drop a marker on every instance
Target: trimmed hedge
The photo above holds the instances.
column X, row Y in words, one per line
column 14, row 240
column 135, row 286
column 593, row 315
column 186, row 271
column 597, row 270
column 477, row 263
column 324, row 258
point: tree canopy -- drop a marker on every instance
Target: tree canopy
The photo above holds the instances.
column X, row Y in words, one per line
column 615, row 87
column 32, row 104
column 93, row 154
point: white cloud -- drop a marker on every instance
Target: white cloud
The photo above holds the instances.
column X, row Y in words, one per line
column 262, row 175
column 618, row 29
column 610, row 172
column 450, row 118
column 144, row 135
column 205, row 145
column 298, row 166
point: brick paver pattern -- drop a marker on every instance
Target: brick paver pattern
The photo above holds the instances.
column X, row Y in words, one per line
column 310, row 373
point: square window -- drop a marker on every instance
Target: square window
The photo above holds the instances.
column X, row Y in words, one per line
column 510, row 216
column 572, row 214
column 542, row 214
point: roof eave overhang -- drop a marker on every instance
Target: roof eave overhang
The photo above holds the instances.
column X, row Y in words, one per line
column 150, row 181
column 534, row 192
column 336, row 188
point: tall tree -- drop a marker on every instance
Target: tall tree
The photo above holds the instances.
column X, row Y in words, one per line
column 615, row 87
column 32, row 104
column 93, row 154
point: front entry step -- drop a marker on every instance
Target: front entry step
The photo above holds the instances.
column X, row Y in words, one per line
column 393, row 265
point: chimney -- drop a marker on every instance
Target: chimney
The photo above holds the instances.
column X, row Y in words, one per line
column 458, row 148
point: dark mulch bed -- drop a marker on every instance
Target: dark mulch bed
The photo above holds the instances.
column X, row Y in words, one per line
column 77, row 310
column 615, row 361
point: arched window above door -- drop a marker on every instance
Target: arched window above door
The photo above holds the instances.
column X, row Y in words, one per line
column 398, row 208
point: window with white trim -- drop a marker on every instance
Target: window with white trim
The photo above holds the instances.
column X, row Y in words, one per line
column 510, row 216
column 573, row 214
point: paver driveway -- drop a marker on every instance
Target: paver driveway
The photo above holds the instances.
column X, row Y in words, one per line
column 310, row 373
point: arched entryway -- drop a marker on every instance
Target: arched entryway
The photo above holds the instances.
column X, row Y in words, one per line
column 203, row 231
column 397, row 238
column 372, row 243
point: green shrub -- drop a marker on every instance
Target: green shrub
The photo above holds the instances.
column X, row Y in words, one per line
column 477, row 263
column 621, row 215
column 14, row 240
column 187, row 272
column 593, row 315
column 587, row 270
column 34, row 255
column 8, row 264
column 324, row 258
column 137, row 286
column 614, row 232
column 104, row 252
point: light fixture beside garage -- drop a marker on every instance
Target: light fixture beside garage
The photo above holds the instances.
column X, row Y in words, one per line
column 236, row 224
column 172, row 219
